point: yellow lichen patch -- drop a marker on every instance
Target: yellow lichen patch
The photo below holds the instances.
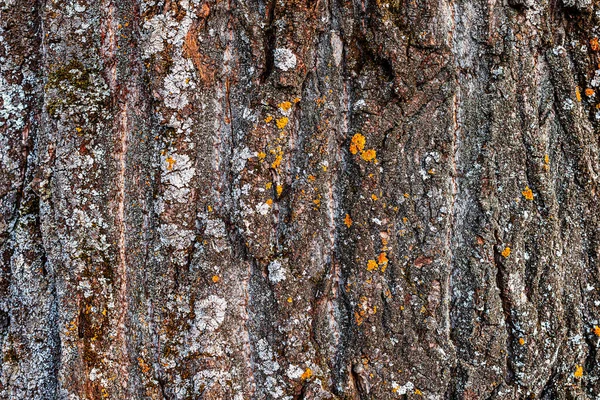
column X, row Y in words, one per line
column 307, row 374
column 289, row 300
column 282, row 122
column 578, row 93
column 170, row 162
column 589, row 92
column 527, row 193
column 311, row 178
column 371, row 265
column 279, row 189
column 418, row 392
column 275, row 164
column 596, row 330
column 374, row 197
column 348, row 221
column 285, row 106
column 269, row 119
column 358, row 318
column 368, row 155
column 578, row 371
column 546, row 159
column 594, row 44
column 269, row 185
column 317, row 202
column 506, row 252
column 216, row 278
column 406, row 195
column 521, row 341
column 269, row 202
column 143, row 366
column 78, row 129
column 382, row 259
column 296, row 100
column 357, row 144
column 261, row 156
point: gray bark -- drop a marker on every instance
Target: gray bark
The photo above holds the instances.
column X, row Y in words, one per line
column 299, row 199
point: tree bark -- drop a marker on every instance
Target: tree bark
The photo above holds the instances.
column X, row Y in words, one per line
column 299, row 199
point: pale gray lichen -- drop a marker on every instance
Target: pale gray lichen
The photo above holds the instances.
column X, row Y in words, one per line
column 285, row 59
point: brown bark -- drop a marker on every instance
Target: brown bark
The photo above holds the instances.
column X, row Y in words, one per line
column 308, row 199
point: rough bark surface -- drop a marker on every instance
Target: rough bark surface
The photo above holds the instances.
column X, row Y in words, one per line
column 299, row 199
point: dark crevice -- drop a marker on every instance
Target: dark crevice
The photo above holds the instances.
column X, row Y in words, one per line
column 269, row 42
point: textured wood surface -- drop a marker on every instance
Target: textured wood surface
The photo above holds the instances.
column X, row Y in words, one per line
column 299, row 199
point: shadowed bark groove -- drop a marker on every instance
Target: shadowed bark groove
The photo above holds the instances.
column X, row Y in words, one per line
column 308, row 199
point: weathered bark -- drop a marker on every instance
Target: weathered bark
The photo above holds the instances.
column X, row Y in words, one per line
column 188, row 209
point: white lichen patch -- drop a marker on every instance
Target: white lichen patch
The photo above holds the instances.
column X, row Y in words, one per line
column 276, row 272
column 210, row 314
column 285, row 59
column 268, row 365
column 177, row 175
column 176, row 237
column 404, row 389
column 204, row 380
column 263, row 208
column 294, row 372
column 240, row 158
column 178, row 83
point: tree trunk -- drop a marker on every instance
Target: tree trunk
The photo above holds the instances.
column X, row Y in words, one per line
column 299, row 199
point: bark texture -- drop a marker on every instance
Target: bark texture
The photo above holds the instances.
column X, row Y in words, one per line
column 299, row 199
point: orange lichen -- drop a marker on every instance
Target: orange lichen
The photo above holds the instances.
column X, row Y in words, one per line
column 374, row 197
column 289, row 300
column 382, row 259
column 578, row 93
column 418, row 392
column 348, row 221
column 358, row 318
column 371, row 265
column 594, row 44
column 261, row 155
column 589, row 92
column 307, row 374
column 275, row 164
column 311, row 178
column 269, row 119
column 521, row 341
column 406, row 195
column 282, row 122
column 527, row 193
column 269, row 202
column 357, row 144
column 546, row 159
column 368, row 155
column 269, row 185
column 279, row 189
column 216, row 278
column 170, row 162
column 285, row 106
column 506, row 252
column 596, row 330
column 578, row 371
column 143, row 366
